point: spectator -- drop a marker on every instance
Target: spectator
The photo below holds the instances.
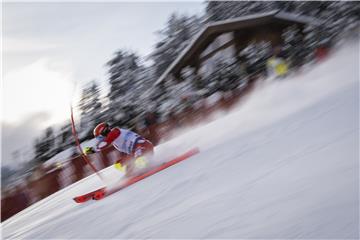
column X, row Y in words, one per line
column 276, row 65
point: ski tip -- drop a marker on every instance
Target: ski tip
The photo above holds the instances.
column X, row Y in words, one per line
column 80, row 199
column 95, row 195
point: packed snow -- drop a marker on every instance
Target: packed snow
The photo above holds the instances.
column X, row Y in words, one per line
column 284, row 164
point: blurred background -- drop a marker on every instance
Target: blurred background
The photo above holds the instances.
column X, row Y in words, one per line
column 155, row 68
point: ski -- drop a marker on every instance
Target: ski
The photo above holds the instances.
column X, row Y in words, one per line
column 91, row 195
column 103, row 192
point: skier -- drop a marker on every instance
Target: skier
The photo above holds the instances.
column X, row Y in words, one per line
column 125, row 141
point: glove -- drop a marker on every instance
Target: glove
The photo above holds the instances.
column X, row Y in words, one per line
column 120, row 167
column 88, row 150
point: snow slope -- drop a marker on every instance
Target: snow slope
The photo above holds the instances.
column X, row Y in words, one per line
column 283, row 165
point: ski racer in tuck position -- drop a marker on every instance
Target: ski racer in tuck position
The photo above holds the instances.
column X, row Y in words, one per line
column 138, row 149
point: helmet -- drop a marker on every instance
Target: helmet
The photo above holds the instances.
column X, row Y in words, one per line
column 101, row 129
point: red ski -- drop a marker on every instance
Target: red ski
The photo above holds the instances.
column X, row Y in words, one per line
column 91, row 195
column 103, row 192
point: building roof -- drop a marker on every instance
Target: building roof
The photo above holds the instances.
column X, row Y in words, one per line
column 231, row 25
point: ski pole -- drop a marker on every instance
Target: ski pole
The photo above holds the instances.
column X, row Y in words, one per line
column 77, row 142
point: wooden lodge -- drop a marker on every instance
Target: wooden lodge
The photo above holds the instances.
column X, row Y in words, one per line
column 230, row 37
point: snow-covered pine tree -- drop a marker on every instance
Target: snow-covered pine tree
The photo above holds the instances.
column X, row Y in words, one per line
column 63, row 137
column 174, row 37
column 45, row 145
column 128, row 80
column 90, row 108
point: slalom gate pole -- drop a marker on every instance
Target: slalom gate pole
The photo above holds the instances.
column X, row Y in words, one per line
column 79, row 147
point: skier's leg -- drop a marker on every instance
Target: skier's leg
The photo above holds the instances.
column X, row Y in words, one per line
column 142, row 154
column 130, row 168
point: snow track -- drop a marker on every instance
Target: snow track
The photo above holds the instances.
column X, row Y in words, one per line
column 283, row 165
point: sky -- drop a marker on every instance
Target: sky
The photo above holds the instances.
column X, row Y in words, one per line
column 50, row 50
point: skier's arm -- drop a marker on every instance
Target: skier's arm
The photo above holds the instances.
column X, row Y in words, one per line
column 103, row 143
